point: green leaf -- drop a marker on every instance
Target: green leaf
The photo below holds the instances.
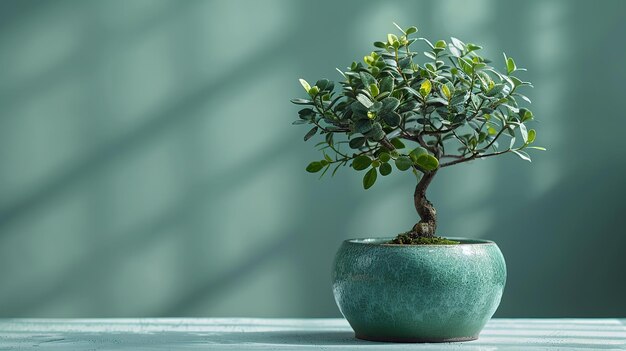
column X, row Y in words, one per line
column 380, row 45
column 427, row 162
column 386, row 84
column 405, row 64
column 403, row 163
column 356, row 142
column 425, row 88
column 510, row 65
column 390, row 104
column 306, row 113
column 495, row 90
column 314, row 167
column 399, row 28
column 532, row 134
column 523, row 97
column 485, row 79
column 524, row 156
column 454, row 51
column 358, row 109
column 325, row 85
column 410, row 30
column 457, row 43
column 446, row 91
column 479, row 66
column 376, row 133
column 415, row 153
column 524, row 132
column 384, row 157
column 537, row 148
column 374, row 89
column 392, row 118
column 472, row 47
column 361, row 162
column 364, row 100
column 440, row 44
column 385, row 169
column 310, row 133
column 370, row 178
column 458, row 98
column 516, row 81
column 342, row 74
column 525, row 115
column 314, row 90
column 466, row 66
column 397, row 143
column 305, row 85
column 326, row 168
column 428, row 42
column 363, row 126
column 367, row 79
column 430, row 55
column 410, row 90
column 301, row 102
column 392, row 38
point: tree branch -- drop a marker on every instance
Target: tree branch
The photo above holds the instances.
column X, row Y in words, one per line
column 451, row 156
column 420, row 140
column 473, row 157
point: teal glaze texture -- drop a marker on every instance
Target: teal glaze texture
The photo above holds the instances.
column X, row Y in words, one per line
column 418, row 293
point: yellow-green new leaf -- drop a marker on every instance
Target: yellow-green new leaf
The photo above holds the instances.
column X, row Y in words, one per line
column 374, row 89
column 417, row 152
column 425, row 87
column 532, row 134
column 305, row 85
column 510, row 65
column 314, row 90
column 392, row 38
column 427, row 162
column 446, row 91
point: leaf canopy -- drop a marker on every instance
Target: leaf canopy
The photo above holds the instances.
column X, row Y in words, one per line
column 423, row 109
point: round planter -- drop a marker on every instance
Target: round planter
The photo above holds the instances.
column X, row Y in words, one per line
column 418, row 293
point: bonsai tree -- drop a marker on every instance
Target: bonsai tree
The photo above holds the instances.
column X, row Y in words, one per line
column 452, row 108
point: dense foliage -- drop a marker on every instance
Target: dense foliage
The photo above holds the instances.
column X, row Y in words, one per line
column 393, row 111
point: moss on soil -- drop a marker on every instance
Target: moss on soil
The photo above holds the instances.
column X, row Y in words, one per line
column 408, row 239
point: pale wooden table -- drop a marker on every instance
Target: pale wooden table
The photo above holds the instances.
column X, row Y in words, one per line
column 292, row 334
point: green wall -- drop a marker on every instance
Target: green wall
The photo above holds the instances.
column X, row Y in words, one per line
column 148, row 165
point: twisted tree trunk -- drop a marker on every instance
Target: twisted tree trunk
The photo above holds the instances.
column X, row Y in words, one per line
column 427, row 225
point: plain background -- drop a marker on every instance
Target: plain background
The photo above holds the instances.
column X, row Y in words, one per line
column 148, row 165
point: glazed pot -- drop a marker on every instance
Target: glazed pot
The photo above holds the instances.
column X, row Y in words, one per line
column 418, row 293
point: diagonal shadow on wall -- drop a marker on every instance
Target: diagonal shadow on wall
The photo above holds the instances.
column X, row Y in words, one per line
column 168, row 117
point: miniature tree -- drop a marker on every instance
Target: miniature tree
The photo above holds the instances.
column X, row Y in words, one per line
column 453, row 108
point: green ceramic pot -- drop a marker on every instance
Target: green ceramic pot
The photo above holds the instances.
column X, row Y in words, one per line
column 418, row 293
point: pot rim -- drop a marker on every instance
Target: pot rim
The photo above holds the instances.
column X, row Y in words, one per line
column 383, row 241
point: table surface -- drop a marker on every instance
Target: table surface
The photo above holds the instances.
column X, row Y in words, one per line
column 292, row 334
